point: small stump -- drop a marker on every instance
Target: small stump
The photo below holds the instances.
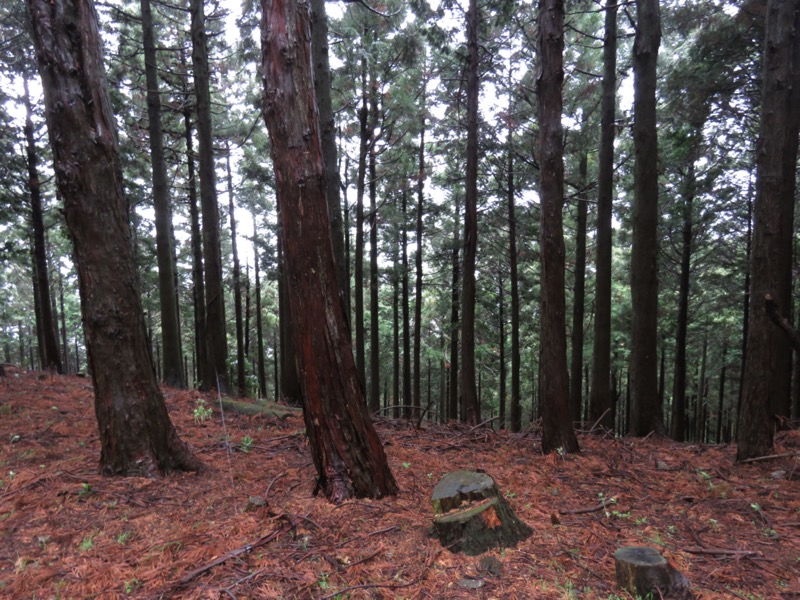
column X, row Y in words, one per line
column 471, row 516
column 642, row 571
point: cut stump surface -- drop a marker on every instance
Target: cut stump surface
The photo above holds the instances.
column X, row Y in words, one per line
column 641, row 571
column 471, row 516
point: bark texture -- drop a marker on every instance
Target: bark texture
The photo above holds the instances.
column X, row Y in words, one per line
column 469, row 393
column 764, row 389
column 137, row 437
column 646, row 412
column 172, row 373
column 346, row 449
column 557, row 432
column 601, row 401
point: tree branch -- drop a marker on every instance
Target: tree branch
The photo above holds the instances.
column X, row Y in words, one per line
column 775, row 316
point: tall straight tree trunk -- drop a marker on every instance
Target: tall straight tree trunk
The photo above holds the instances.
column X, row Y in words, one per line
column 416, row 401
column 136, row 434
column 646, row 413
column 173, row 374
column 247, row 310
column 374, row 283
column 241, row 381
column 290, row 390
column 679, row 376
column 260, row 365
column 745, row 298
column 557, row 431
column 601, row 400
column 469, row 394
column 515, row 407
column 45, row 324
column 198, row 284
column 766, row 370
column 345, row 447
column 579, row 296
column 322, row 87
column 358, row 270
column 216, row 340
column 501, row 355
column 452, row 401
column 407, row 400
column 721, row 401
column 396, row 337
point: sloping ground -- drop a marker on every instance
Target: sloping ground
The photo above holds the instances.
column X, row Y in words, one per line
column 66, row 532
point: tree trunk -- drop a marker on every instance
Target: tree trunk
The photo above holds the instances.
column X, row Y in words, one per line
column 679, row 376
column 516, row 368
column 418, row 263
column 721, row 401
column 241, row 381
column 557, row 432
column 396, row 337
column 198, row 285
column 45, row 324
column 216, row 340
column 347, row 452
column 501, row 354
column 646, row 413
column 452, row 403
column 260, row 365
column 579, row 296
column 407, row 401
column 766, row 371
column 290, row 390
column 136, row 435
column 374, row 279
column 322, row 87
column 168, row 300
column 358, row 270
column 601, row 401
column 469, row 397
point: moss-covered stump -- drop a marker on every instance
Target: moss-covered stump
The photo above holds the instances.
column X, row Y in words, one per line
column 471, row 516
column 642, row 571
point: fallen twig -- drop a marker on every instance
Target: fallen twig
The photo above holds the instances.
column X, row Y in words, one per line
column 581, row 511
column 264, row 539
column 369, row 586
column 722, row 551
column 770, row 457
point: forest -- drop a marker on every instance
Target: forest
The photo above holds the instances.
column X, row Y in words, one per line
column 558, row 229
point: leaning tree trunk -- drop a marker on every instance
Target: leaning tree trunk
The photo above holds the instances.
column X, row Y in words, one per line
column 645, row 409
column 346, row 449
column 557, row 432
column 136, row 435
column 168, row 300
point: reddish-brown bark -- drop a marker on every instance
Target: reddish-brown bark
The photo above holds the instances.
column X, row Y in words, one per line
column 136, row 434
column 347, row 451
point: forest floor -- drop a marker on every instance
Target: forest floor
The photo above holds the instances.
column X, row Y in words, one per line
column 66, row 532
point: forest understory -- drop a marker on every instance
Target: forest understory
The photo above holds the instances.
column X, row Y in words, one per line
column 249, row 526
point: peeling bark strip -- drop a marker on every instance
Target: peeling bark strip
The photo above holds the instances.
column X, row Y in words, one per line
column 347, row 452
column 136, row 434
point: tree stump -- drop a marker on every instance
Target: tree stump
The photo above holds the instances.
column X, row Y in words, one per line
column 642, row 571
column 471, row 516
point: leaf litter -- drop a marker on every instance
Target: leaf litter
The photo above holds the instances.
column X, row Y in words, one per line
column 249, row 527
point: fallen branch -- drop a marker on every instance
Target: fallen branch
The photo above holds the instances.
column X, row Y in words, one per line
column 769, row 457
column 722, row 551
column 264, row 539
column 582, row 511
column 776, row 317
column 368, row 586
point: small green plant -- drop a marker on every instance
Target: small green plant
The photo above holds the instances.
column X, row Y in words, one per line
column 123, row 537
column 202, row 411
column 406, row 465
column 87, row 543
column 246, row 444
column 755, row 506
column 132, row 585
column 86, row 489
column 323, row 581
